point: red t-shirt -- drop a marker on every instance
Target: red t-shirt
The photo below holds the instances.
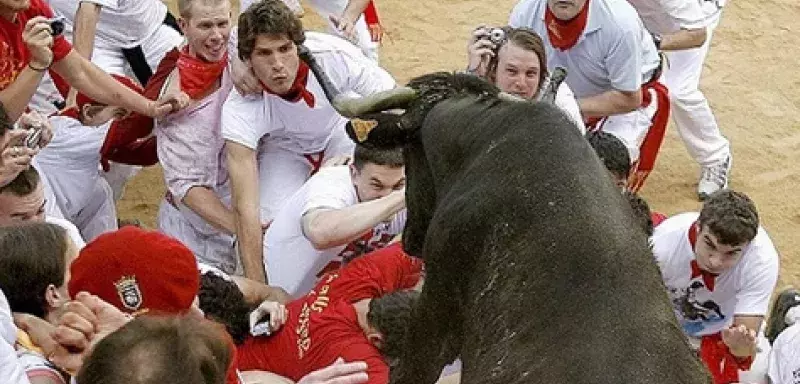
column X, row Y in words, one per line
column 14, row 55
column 323, row 326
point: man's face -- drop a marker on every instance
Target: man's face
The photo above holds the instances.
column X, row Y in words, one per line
column 565, row 9
column 714, row 256
column 375, row 181
column 517, row 71
column 16, row 210
column 275, row 61
column 207, row 29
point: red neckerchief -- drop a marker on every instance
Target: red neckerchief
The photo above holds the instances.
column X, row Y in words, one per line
column 564, row 34
column 708, row 277
column 198, row 75
column 298, row 90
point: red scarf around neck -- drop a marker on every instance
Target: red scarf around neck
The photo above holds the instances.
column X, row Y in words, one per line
column 298, row 90
column 708, row 277
column 565, row 34
column 197, row 75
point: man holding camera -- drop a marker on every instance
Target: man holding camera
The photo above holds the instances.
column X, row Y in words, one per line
column 30, row 46
column 613, row 67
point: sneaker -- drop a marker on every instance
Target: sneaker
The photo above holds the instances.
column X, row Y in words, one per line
column 776, row 322
column 713, row 178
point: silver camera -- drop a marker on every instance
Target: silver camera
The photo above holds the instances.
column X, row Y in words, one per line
column 497, row 36
column 34, row 137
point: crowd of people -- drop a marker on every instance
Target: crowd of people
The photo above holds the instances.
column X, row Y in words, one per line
column 278, row 255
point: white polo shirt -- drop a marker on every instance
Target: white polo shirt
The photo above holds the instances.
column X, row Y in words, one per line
column 294, row 125
column 668, row 16
column 122, row 23
column 615, row 52
column 784, row 359
column 744, row 289
column 291, row 260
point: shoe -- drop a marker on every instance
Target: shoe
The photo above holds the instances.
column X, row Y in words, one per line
column 776, row 322
column 713, row 178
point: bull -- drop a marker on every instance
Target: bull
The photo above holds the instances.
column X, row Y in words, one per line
column 535, row 269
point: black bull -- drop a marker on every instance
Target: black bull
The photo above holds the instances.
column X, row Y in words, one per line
column 535, row 271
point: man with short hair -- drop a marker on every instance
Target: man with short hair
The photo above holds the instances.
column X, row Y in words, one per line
column 28, row 49
column 22, row 200
column 613, row 154
column 719, row 267
column 277, row 139
column 196, row 208
column 341, row 213
column 613, row 67
column 683, row 30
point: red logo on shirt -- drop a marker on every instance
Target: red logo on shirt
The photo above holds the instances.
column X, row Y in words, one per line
column 10, row 67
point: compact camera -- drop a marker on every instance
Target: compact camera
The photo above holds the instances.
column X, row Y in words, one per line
column 57, row 25
column 497, row 36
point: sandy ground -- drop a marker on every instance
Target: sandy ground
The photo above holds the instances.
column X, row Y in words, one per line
column 749, row 77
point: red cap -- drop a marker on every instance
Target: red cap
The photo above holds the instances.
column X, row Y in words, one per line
column 136, row 271
column 81, row 99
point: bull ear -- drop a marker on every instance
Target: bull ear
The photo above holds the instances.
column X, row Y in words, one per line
column 361, row 128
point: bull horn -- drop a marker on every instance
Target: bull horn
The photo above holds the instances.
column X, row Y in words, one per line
column 351, row 107
column 509, row 97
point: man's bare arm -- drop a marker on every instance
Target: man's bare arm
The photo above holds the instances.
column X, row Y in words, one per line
column 684, row 39
column 610, row 103
column 243, row 171
column 16, row 97
column 354, row 10
column 85, row 27
column 327, row 228
column 204, row 202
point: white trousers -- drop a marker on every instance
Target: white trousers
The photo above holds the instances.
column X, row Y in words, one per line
column 632, row 127
column 282, row 172
column 209, row 245
column 99, row 215
column 693, row 118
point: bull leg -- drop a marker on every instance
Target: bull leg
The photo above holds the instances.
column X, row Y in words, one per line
column 433, row 338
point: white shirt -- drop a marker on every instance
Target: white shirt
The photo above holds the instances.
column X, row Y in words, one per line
column 122, row 23
column 291, row 260
column 565, row 100
column 744, row 289
column 72, row 230
column 10, row 369
column 294, row 125
column 615, row 52
column 668, row 16
column 784, row 359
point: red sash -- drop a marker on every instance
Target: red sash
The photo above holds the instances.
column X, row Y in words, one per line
column 648, row 151
column 723, row 365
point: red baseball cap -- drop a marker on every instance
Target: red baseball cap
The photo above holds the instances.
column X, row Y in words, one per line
column 137, row 271
column 82, row 99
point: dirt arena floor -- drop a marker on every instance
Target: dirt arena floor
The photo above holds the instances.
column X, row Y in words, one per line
column 750, row 80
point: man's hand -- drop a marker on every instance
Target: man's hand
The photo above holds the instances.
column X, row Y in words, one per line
column 278, row 314
column 14, row 158
column 338, row 373
column 35, row 119
column 740, row 340
column 42, row 335
column 244, row 79
column 346, row 26
column 169, row 103
column 38, row 37
column 480, row 51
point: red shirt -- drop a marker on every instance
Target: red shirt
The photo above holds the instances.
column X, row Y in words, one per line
column 14, row 55
column 323, row 326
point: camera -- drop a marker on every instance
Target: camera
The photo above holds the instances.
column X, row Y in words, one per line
column 57, row 25
column 497, row 36
column 33, row 138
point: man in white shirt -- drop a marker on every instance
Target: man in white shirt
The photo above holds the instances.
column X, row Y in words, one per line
column 518, row 65
column 278, row 138
column 784, row 333
column 22, row 200
column 683, row 29
column 613, row 68
column 340, row 213
column 719, row 267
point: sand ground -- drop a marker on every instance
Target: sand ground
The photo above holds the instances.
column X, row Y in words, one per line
column 749, row 79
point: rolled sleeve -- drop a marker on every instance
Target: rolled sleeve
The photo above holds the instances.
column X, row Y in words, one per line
column 760, row 278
